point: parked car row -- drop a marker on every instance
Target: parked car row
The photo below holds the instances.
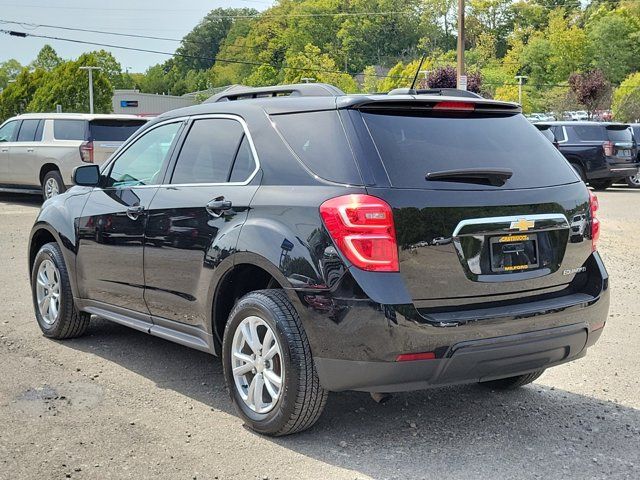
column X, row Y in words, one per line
column 601, row 153
column 38, row 152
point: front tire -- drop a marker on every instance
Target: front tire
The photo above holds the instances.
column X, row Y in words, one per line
column 55, row 310
column 511, row 383
column 52, row 185
column 268, row 365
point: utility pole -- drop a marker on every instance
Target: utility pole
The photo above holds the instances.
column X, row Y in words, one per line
column 520, row 78
column 460, row 41
column 90, row 70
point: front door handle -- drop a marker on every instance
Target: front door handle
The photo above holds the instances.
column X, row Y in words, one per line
column 4, row 150
column 218, row 206
column 134, row 212
column 30, row 150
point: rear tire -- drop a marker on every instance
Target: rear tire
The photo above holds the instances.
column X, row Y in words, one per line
column 58, row 318
column 52, row 185
column 299, row 399
column 634, row 181
column 511, row 383
column 600, row 185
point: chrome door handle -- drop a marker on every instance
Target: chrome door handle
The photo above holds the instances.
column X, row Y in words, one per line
column 134, row 212
column 218, row 206
column 30, row 150
column 4, row 150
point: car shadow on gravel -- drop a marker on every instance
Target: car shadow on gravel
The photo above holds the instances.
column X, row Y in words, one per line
column 454, row 432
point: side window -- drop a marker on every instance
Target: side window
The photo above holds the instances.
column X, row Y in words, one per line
column 40, row 131
column 244, row 164
column 590, row 133
column 208, row 151
column 6, row 132
column 559, row 133
column 69, row 129
column 141, row 163
column 27, row 131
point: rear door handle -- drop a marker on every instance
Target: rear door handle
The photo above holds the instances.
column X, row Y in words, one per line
column 134, row 212
column 4, row 150
column 218, row 206
column 30, row 150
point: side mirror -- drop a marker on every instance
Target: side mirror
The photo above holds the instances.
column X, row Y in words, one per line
column 87, row 175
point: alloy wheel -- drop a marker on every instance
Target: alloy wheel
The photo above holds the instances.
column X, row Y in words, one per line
column 48, row 291
column 51, row 188
column 257, row 363
column 635, row 179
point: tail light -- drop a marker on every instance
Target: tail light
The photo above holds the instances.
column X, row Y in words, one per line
column 595, row 222
column 86, row 152
column 362, row 228
column 608, row 148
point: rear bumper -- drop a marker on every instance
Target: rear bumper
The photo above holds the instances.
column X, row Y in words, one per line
column 466, row 362
column 355, row 343
column 616, row 170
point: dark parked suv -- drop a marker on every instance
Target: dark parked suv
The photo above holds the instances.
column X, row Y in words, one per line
column 319, row 242
column 601, row 153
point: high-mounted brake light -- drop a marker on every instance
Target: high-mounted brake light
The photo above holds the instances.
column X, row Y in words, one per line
column 86, row 152
column 608, row 148
column 362, row 228
column 455, row 106
column 594, row 205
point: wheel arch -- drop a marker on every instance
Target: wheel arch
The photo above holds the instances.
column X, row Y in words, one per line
column 48, row 166
column 247, row 273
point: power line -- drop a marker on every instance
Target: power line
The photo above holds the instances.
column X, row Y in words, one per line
column 195, row 57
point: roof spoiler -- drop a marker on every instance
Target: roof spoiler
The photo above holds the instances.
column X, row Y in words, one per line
column 242, row 92
column 443, row 92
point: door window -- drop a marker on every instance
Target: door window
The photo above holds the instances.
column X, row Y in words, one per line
column 208, row 151
column 28, row 130
column 6, row 132
column 244, row 164
column 142, row 162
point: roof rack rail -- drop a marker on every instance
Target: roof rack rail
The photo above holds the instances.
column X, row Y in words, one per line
column 242, row 92
column 444, row 92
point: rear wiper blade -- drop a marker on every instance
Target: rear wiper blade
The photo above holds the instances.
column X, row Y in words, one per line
column 482, row 176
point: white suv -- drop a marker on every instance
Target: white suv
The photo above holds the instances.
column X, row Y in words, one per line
column 39, row 151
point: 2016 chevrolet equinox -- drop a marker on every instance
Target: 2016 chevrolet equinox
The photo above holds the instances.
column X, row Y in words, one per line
column 319, row 242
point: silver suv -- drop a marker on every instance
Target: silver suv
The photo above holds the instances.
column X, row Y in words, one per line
column 39, row 151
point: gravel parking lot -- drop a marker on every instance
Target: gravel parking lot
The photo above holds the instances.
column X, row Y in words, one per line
column 120, row 404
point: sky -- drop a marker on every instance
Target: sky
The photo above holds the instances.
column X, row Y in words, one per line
column 164, row 18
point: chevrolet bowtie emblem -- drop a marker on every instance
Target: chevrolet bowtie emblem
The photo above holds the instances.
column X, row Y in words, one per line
column 522, row 225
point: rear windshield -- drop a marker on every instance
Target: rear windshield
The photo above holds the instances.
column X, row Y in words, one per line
column 113, row 130
column 412, row 146
column 620, row 133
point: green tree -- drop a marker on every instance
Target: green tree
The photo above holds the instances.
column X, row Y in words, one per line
column 47, row 59
column 200, row 46
column 614, row 45
column 626, row 100
column 9, row 70
column 67, row 85
column 313, row 64
column 17, row 96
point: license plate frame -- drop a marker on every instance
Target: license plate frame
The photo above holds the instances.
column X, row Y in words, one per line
column 513, row 253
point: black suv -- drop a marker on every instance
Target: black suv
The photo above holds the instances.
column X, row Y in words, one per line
column 318, row 242
column 601, row 153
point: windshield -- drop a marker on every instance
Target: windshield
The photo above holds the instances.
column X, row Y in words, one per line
column 412, row 146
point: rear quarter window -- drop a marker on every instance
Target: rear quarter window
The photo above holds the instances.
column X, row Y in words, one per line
column 113, row 130
column 411, row 146
column 69, row 129
column 590, row 133
column 320, row 143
